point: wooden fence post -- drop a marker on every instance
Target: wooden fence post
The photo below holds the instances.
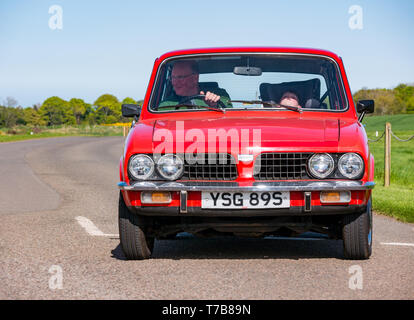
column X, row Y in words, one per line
column 387, row 156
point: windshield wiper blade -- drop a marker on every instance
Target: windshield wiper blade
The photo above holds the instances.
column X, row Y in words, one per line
column 192, row 106
column 297, row 109
column 269, row 103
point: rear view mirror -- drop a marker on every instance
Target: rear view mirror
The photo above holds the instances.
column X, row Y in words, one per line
column 363, row 107
column 247, row 71
column 131, row 110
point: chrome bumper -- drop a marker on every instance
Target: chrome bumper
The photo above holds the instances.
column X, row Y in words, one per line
column 256, row 186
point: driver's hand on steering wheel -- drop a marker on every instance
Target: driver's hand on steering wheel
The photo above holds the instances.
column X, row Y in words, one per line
column 211, row 99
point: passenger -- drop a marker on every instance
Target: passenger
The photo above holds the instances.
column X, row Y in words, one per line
column 290, row 98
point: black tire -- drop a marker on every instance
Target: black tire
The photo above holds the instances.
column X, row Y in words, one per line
column 135, row 243
column 357, row 234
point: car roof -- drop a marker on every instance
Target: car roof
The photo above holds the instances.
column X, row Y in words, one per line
column 296, row 50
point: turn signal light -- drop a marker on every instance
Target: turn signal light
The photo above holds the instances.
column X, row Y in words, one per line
column 155, row 197
column 335, row 196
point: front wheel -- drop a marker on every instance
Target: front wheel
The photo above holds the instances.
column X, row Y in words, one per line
column 357, row 234
column 135, row 243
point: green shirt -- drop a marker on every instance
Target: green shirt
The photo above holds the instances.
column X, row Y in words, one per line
column 174, row 99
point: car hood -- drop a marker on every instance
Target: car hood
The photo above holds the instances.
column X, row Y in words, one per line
column 261, row 132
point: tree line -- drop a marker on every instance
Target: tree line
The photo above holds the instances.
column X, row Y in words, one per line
column 107, row 108
column 57, row 111
column 389, row 101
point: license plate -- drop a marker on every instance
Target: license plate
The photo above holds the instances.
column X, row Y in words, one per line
column 245, row 200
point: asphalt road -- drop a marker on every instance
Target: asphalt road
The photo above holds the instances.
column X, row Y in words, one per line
column 49, row 187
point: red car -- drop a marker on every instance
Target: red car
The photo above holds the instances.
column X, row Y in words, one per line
column 250, row 142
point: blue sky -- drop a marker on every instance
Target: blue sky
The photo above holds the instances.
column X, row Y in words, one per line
column 110, row 46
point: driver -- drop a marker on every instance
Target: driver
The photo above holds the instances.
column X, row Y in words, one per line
column 184, row 79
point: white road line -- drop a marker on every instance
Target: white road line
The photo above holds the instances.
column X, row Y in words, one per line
column 397, row 244
column 91, row 228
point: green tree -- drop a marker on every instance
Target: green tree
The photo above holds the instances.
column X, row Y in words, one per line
column 1, row 116
column 78, row 107
column 19, row 111
column 56, row 111
column 404, row 93
column 129, row 100
column 386, row 101
column 32, row 117
column 107, row 105
column 9, row 117
column 410, row 105
column 90, row 114
column 10, row 113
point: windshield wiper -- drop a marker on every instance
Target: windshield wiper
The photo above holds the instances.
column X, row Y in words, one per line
column 270, row 104
column 192, row 106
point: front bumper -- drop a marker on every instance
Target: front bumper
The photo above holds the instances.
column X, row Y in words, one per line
column 255, row 186
column 304, row 197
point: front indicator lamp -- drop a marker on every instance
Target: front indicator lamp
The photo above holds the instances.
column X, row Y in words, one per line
column 155, row 197
column 335, row 196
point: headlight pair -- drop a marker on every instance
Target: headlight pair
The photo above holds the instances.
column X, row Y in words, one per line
column 169, row 166
column 350, row 165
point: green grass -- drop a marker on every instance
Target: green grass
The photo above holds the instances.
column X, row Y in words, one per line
column 399, row 122
column 398, row 199
column 395, row 201
column 24, row 133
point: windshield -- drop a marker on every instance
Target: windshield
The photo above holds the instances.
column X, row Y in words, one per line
column 248, row 81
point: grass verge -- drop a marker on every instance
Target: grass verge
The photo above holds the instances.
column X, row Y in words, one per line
column 25, row 133
column 397, row 200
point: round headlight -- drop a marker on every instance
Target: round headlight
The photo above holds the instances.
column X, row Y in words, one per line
column 141, row 166
column 321, row 165
column 170, row 166
column 351, row 165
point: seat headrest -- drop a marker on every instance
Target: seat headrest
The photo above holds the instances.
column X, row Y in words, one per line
column 308, row 89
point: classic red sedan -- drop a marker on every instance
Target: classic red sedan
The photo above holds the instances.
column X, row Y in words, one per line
column 250, row 142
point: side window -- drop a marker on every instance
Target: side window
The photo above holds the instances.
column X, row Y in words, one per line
column 160, row 91
column 325, row 96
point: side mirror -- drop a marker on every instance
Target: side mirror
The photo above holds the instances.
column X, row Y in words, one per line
column 131, row 110
column 363, row 107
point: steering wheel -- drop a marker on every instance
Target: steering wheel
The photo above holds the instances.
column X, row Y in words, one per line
column 201, row 97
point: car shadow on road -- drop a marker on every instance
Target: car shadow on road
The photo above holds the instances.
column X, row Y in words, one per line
column 242, row 248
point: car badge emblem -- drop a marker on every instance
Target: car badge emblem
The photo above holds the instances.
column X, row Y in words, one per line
column 245, row 157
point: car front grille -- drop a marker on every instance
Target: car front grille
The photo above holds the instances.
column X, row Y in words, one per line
column 220, row 166
column 281, row 166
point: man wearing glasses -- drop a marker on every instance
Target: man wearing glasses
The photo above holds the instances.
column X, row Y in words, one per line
column 184, row 80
